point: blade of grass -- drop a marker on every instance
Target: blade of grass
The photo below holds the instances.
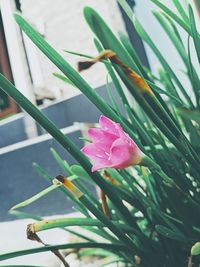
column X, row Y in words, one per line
column 63, row 78
column 194, row 33
column 111, row 247
column 111, row 97
column 181, row 11
column 171, row 14
column 181, row 50
column 35, row 197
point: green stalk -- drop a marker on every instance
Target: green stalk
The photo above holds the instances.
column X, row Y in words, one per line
column 66, row 222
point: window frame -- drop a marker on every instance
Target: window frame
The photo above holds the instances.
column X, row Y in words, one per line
column 5, row 69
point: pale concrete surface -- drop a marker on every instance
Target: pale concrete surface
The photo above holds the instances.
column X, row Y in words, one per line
column 13, row 237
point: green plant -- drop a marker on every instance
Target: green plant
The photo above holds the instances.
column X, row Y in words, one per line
column 150, row 222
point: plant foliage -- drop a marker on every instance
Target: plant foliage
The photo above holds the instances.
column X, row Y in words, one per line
column 150, row 223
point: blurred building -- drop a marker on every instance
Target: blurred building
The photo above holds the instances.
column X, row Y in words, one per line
column 62, row 24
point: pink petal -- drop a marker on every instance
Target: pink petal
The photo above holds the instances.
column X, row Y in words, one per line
column 120, row 131
column 108, row 125
column 102, row 139
column 98, row 135
column 100, row 165
column 93, row 152
column 121, row 154
column 123, row 135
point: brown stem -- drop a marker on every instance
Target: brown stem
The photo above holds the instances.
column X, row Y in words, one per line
column 34, row 237
column 197, row 7
column 190, row 264
column 104, row 204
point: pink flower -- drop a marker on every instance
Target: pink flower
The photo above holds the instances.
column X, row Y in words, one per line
column 111, row 146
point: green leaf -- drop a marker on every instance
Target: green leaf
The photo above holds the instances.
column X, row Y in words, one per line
column 63, row 78
column 164, row 231
column 78, row 54
column 111, row 97
column 195, row 250
column 35, row 197
column 171, row 14
column 162, row 91
column 62, row 163
column 24, row 215
column 198, row 5
column 130, row 49
column 195, row 34
column 181, row 11
column 190, row 114
column 95, row 252
column 79, row 171
column 65, row 222
column 112, row 247
column 144, row 35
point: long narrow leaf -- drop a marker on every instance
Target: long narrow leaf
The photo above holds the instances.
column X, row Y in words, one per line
column 111, row 247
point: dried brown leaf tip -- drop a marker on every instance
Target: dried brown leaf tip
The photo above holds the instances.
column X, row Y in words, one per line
column 30, row 232
column 60, row 178
column 72, row 188
column 84, row 65
column 140, row 84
